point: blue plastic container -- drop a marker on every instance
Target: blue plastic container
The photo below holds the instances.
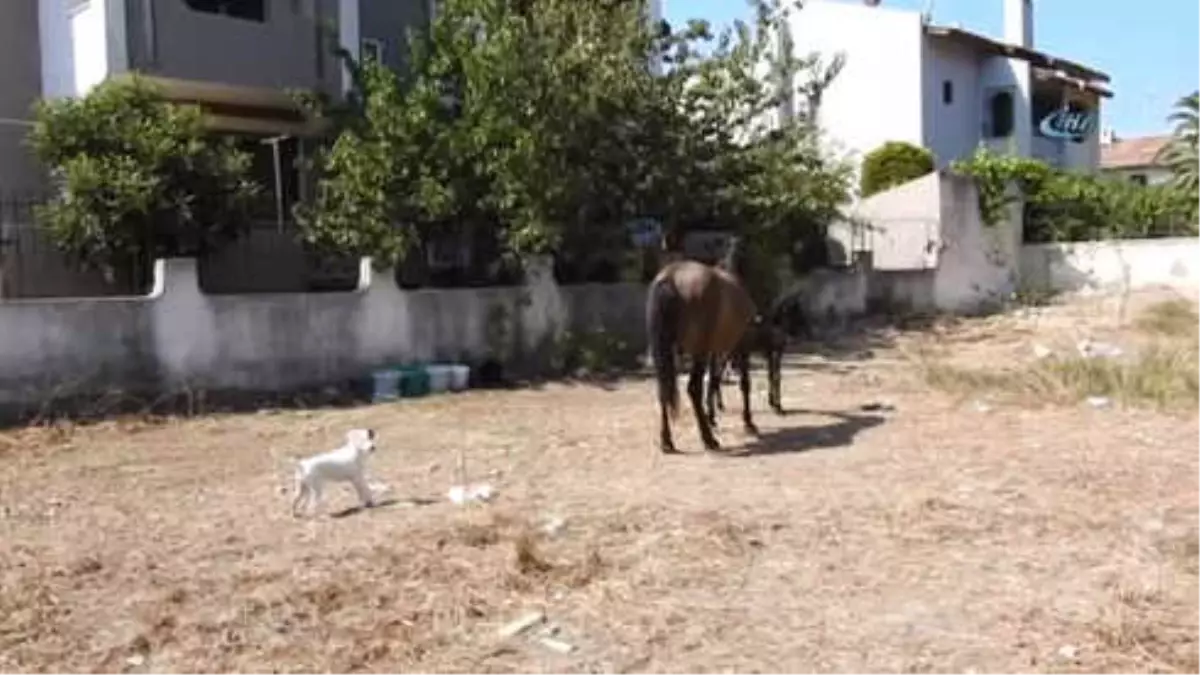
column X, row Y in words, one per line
column 386, row 384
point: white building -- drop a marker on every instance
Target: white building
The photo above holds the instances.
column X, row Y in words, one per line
column 949, row 89
column 1134, row 159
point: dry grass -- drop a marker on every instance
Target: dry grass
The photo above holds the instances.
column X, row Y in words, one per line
column 1159, row 376
column 1171, row 318
column 1162, row 373
column 929, row 538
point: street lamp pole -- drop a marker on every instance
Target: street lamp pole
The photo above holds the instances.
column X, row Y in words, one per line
column 274, row 143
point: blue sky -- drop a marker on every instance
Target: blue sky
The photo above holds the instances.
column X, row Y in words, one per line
column 1149, row 47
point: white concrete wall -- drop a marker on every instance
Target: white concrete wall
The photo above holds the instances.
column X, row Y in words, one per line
column 902, row 225
column 978, row 266
column 930, row 249
column 89, row 37
column 999, row 73
column 178, row 337
column 57, row 48
column 878, row 96
column 349, row 36
column 74, row 45
column 952, row 131
column 1112, row 265
column 1084, row 156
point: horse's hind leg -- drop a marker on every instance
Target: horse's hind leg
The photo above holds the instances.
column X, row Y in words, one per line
column 665, row 443
column 742, row 359
column 696, row 392
column 713, row 397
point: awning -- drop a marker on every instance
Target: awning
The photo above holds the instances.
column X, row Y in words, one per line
column 235, row 108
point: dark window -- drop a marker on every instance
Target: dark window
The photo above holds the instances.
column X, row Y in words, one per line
column 1001, row 108
column 1138, row 178
column 250, row 10
column 372, row 49
column 947, row 92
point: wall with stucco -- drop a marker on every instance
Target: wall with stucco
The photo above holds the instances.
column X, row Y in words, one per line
column 1112, row 265
column 178, row 338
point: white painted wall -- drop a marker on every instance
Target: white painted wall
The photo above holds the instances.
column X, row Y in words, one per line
column 902, row 225
column 1085, row 156
column 180, row 337
column 878, row 96
column 57, row 48
column 1112, row 265
column 978, row 266
column 89, row 37
column 349, row 35
column 1012, row 74
column 952, row 131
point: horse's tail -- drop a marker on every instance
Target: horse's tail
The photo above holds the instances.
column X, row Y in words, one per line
column 663, row 307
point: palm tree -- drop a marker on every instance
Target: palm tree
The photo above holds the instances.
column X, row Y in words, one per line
column 1179, row 154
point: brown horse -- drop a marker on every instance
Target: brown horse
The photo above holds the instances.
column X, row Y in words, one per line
column 702, row 311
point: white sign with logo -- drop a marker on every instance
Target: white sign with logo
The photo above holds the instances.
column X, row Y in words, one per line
column 1067, row 124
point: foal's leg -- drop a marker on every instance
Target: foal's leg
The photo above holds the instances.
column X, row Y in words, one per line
column 742, row 359
column 696, row 392
column 774, row 366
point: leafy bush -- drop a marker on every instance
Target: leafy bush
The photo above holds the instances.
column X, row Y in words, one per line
column 594, row 352
column 1180, row 154
column 557, row 134
column 1069, row 206
column 891, row 164
column 136, row 177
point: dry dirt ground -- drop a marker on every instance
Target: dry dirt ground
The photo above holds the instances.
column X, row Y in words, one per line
column 922, row 533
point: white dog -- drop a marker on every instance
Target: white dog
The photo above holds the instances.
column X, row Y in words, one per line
column 343, row 464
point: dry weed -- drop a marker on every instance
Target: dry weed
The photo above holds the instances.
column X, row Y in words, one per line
column 936, row 541
column 1170, row 318
column 1160, row 375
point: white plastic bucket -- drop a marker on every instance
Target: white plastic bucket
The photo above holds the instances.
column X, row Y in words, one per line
column 460, row 376
column 439, row 378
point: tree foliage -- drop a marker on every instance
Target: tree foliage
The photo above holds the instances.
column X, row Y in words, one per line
column 137, row 177
column 544, row 119
column 1069, row 206
column 1180, row 154
column 891, row 164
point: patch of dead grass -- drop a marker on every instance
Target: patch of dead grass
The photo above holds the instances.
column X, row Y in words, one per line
column 940, row 543
column 1170, row 318
column 1160, row 375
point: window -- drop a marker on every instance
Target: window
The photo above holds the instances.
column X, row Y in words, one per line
column 1001, row 109
column 1138, row 179
column 250, row 10
column 372, row 49
column 947, row 92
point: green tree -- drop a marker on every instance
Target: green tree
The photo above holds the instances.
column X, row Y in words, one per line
column 1180, row 154
column 137, row 177
column 544, row 120
column 891, row 164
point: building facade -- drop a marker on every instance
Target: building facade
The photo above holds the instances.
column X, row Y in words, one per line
column 238, row 59
column 1134, row 159
column 949, row 89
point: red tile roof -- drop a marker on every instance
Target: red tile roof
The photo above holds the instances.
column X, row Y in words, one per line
column 1131, row 152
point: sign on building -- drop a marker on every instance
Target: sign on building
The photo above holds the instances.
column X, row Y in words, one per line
column 1067, row 124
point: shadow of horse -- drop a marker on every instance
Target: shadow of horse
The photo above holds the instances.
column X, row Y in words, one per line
column 809, row 437
column 353, row 510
